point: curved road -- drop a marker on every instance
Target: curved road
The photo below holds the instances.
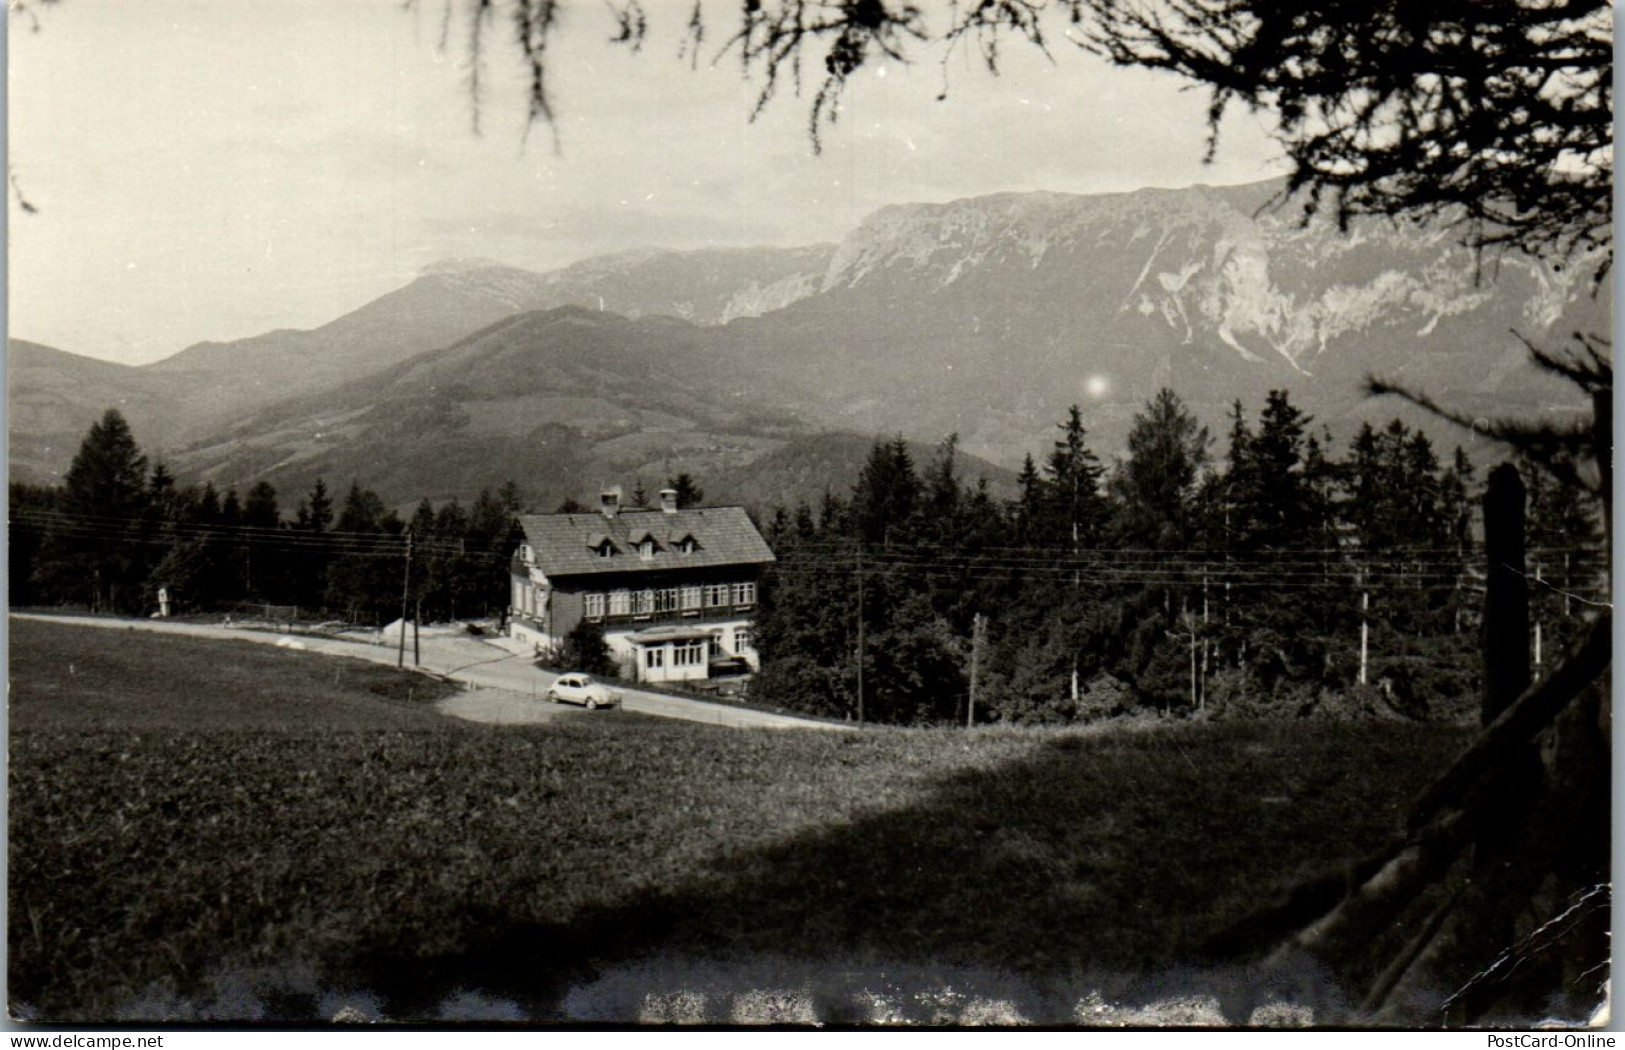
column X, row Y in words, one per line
column 505, row 687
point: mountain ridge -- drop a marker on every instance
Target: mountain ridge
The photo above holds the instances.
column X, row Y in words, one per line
column 984, row 316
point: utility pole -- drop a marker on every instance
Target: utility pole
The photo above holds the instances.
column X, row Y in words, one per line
column 417, row 616
column 860, row 636
column 1201, row 702
column 1190, row 623
column 977, row 623
column 406, row 593
column 1365, row 622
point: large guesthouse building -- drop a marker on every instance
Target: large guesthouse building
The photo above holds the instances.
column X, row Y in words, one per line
column 674, row 589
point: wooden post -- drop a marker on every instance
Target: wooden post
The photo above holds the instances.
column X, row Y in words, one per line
column 1195, row 699
column 978, row 621
column 406, row 593
column 1201, row 702
column 417, row 614
column 1506, row 594
column 1365, row 626
column 860, row 636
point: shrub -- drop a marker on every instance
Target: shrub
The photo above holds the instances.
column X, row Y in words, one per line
column 584, row 649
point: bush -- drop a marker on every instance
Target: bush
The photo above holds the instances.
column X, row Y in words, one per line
column 584, row 649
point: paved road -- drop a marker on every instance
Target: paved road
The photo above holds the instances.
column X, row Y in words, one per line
column 506, row 688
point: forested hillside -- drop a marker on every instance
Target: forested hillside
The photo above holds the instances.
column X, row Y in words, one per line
column 1267, row 572
column 1225, row 578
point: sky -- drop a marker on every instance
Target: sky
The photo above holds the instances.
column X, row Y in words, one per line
column 209, row 170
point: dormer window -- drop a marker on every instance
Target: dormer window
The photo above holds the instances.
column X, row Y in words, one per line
column 643, row 541
column 601, row 545
column 687, row 545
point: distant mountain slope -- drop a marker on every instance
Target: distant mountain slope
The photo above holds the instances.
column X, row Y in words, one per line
column 53, row 397
column 559, row 401
column 986, row 317
column 452, row 299
column 805, row 468
column 706, row 287
column 217, row 385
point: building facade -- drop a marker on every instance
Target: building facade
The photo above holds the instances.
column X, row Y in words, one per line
column 674, row 589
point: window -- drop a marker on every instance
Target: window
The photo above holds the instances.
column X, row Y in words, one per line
column 744, row 594
column 646, row 549
column 687, row 545
column 691, row 654
column 716, row 594
column 691, row 597
column 643, row 603
column 606, row 549
column 742, row 641
column 654, row 659
column 620, row 603
column 666, row 600
column 527, row 555
column 595, row 606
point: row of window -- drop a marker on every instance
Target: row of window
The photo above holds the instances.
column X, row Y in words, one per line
column 684, row 654
column 647, row 548
column 669, row 599
column 525, row 599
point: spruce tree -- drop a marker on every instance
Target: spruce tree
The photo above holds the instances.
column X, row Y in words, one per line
column 95, row 556
column 1156, row 485
column 886, row 495
column 1077, row 510
column 689, row 493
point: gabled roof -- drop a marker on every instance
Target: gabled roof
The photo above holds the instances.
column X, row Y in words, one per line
column 566, row 544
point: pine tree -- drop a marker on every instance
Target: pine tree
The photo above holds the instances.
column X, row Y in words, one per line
column 364, row 581
column 689, row 494
column 886, row 495
column 265, row 569
column 311, row 566
column 455, row 574
column 1028, row 511
column 1156, row 486
column 1077, row 510
column 320, row 517
column 96, row 556
column 1274, row 501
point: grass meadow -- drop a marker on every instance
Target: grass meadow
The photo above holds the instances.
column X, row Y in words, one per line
column 226, row 831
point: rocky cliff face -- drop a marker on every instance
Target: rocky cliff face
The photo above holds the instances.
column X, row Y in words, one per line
column 1202, row 266
column 982, row 315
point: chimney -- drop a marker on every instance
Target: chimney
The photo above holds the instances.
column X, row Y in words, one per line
column 668, row 500
column 609, row 501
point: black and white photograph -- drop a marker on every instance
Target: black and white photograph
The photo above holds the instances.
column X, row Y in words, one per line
column 829, row 514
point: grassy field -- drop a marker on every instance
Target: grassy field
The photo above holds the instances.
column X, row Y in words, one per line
column 217, row 829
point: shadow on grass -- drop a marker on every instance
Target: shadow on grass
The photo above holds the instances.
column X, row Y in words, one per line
column 1051, row 889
